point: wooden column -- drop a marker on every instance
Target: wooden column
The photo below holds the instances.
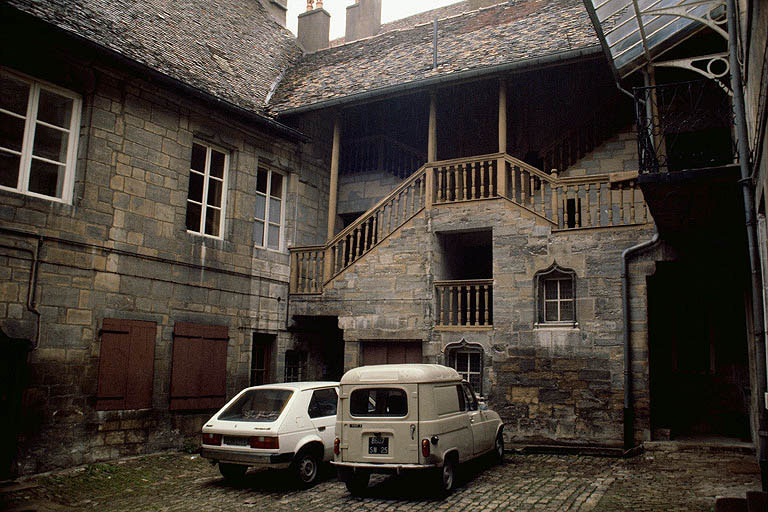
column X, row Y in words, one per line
column 332, row 196
column 501, row 164
column 432, row 138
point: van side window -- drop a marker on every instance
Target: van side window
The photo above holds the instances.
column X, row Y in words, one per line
column 462, row 398
column 470, row 396
column 447, row 401
column 323, row 403
column 378, row 402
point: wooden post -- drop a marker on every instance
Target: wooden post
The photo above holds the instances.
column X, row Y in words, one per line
column 432, row 136
column 334, row 178
column 501, row 167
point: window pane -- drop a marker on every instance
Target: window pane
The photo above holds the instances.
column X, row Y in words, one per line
column 54, row 108
column 261, row 181
column 195, row 187
column 378, row 402
column 550, row 310
column 258, row 232
column 274, row 210
column 261, row 204
column 14, row 96
column 274, row 237
column 474, row 379
column 550, row 288
column 46, row 179
column 257, row 405
column 214, row 192
column 194, row 213
column 566, row 310
column 566, row 289
column 9, row 169
column 212, row 221
column 461, row 362
column 217, row 163
column 474, row 362
column 277, row 185
column 50, row 143
column 11, row 132
column 198, row 158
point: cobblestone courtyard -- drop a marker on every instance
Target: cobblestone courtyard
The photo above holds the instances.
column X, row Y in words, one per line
column 655, row 480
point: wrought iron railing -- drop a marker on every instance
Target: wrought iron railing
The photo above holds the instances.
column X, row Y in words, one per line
column 684, row 125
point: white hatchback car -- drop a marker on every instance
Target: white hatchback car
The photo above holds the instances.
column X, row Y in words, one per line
column 289, row 425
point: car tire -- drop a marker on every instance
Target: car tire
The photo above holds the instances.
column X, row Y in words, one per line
column 306, row 466
column 447, row 476
column 357, row 483
column 232, row 472
column 498, row 449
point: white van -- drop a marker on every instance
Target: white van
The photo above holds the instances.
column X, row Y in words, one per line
column 399, row 417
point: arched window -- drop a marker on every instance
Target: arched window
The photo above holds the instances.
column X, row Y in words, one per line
column 556, row 296
column 467, row 359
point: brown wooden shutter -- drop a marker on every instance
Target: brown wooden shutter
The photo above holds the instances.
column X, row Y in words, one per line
column 126, row 364
column 199, row 367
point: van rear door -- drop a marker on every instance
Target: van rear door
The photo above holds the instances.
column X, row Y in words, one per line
column 381, row 424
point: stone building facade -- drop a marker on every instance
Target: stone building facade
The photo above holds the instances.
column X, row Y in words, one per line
column 236, row 217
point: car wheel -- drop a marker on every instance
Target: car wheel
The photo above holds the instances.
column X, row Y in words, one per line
column 498, row 449
column 305, row 467
column 232, row 472
column 447, row 479
column 357, row 483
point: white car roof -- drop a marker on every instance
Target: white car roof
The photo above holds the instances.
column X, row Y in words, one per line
column 401, row 373
column 297, row 386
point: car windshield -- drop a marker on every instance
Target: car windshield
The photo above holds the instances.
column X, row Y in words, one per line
column 257, row 405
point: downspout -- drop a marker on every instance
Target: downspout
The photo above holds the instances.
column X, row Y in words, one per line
column 32, row 285
column 629, row 419
column 754, row 259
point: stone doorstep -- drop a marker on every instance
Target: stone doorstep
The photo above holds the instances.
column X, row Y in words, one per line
column 702, row 445
column 599, row 451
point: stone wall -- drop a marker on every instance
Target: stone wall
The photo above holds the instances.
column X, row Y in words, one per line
column 550, row 384
column 122, row 250
column 617, row 154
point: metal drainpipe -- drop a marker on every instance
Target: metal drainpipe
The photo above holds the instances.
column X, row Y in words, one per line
column 32, row 285
column 629, row 419
column 754, row 258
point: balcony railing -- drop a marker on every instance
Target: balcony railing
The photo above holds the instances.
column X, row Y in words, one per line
column 566, row 203
column 685, row 125
column 464, row 303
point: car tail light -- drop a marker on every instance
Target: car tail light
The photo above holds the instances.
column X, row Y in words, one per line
column 336, row 446
column 265, row 442
column 214, row 439
column 425, row 447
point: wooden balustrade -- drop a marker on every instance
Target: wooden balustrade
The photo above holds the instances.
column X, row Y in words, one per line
column 465, row 179
column 307, row 269
column 464, row 303
column 568, row 203
column 380, row 153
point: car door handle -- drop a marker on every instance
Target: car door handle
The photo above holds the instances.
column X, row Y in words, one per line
column 321, row 429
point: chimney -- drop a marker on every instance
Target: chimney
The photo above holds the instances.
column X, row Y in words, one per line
column 314, row 27
column 477, row 4
column 363, row 20
column 277, row 9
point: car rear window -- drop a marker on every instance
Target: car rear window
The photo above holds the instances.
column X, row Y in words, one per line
column 378, row 402
column 257, row 405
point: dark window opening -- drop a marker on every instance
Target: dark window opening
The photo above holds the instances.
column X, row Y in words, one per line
column 378, row 402
column 261, row 358
column 295, row 365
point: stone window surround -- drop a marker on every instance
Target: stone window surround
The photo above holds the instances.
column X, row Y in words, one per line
column 66, row 184
column 554, row 271
column 265, row 242
column 463, row 347
column 209, row 148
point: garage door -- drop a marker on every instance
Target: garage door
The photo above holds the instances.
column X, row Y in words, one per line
column 377, row 352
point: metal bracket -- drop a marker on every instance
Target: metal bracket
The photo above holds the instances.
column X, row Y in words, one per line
column 703, row 65
column 683, row 12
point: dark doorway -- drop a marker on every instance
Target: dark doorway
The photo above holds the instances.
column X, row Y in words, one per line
column 13, row 382
column 323, row 342
column 699, row 379
column 261, row 358
column 391, row 352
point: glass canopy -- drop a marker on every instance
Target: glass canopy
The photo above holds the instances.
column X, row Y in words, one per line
column 634, row 32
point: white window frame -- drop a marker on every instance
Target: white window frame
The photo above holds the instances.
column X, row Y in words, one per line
column 206, row 177
column 264, row 243
column 557, row 274
column 453, row 351
column 557, row 301
column 30, row 124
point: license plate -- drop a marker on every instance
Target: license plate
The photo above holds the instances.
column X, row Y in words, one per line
column 378, row 445
column 237, row 441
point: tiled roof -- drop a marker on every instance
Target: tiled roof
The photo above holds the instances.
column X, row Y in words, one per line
column 504, row 33
column 231, row 49
column 419, row 18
